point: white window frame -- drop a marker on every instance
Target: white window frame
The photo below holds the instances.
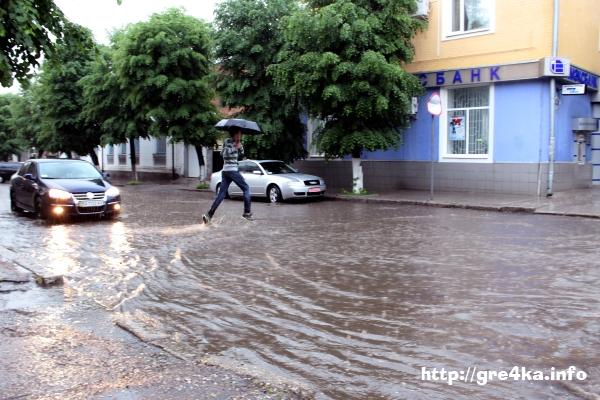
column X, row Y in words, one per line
column 443, row 129
column 448, row 34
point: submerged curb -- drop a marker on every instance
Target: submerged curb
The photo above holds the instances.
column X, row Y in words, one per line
column 479, row 207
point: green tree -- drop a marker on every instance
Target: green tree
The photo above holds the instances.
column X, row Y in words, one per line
column 343, row 60
column 61, row 96
column 26, row 118
column 248, row 38
column 28, row 29
column 164, row 67
column 9, row 141
column 105, row 103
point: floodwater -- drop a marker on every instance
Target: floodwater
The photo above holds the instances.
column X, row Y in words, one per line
column 348, row 299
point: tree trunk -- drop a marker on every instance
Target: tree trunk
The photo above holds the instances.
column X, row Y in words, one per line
column 94, row 157
column 202, row 175
column 132, row 157
column 357, row 175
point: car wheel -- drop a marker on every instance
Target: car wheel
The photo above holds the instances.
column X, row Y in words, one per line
column 41, row 212
column 13, row 203
column 218, row 189
column 274, row 194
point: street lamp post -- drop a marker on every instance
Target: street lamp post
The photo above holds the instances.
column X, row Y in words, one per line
column 434, row 107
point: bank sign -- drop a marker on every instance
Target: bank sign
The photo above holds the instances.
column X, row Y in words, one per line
column 550, row 66
column 490, row 74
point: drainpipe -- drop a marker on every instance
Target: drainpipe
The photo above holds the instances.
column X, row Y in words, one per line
column 552, row 141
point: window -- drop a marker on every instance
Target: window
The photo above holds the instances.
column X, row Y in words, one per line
column 23, row 168
column 110, row 150
column 32, row 170
column 466, row 128
column 161, row 145
column 123, row 148
column 252, row 167
column 277, row 167
column 469, row 16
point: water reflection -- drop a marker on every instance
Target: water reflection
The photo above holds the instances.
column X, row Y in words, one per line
column 58, row 249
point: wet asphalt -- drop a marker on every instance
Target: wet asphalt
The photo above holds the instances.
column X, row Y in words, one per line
column 348, row 299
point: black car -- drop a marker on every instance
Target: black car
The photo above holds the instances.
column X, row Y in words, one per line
column 57, row 188
column 7, row 169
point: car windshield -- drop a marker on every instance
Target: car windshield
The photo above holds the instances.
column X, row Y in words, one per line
column 277, row 167
column 68, row 170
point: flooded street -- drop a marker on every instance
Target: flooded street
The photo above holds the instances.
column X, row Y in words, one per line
column 349, row 299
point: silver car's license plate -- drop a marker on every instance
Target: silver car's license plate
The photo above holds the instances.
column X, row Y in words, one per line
column 90, row 203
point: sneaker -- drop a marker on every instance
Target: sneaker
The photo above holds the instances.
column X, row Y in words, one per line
column 206, row 218
column 248, row 216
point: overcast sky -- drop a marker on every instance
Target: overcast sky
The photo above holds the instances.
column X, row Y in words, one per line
column 104, row 16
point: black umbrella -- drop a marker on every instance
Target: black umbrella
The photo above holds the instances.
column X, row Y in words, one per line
column 247, row 127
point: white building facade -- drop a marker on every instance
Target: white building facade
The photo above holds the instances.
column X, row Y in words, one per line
column 156, row 158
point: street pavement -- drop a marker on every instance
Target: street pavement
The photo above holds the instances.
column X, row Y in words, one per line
column 346, row 299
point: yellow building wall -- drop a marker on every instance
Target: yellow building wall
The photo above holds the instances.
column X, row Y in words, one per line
column 579, row 33
column 522, row 32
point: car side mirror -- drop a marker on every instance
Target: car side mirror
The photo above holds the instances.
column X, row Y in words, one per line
column 255, row 172
column 105, row 175
column 29, row 177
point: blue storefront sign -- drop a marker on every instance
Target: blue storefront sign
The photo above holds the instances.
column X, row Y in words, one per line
column 487, row 74
column 579, row 75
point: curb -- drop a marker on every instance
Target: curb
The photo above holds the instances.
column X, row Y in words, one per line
column 507, row 209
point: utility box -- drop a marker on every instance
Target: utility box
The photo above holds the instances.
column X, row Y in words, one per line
column 583, row 125
column 582, row 129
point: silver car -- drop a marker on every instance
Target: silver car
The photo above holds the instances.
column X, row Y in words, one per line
column 273, row 179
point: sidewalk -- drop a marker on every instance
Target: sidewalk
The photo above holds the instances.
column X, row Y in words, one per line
column 576, row 203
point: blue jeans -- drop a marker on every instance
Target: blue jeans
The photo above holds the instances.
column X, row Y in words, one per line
column 226, row 178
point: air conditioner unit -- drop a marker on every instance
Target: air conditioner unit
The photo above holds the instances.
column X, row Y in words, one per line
column 422, row 9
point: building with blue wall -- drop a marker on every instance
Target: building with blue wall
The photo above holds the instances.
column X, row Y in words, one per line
column 495, row 83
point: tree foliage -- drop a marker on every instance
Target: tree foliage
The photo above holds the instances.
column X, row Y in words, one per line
column 61, row 95
column 9, row 141
column 248, row 37
column 343, row 60
column 28, row 29
column 105, row 102
column 164, row 66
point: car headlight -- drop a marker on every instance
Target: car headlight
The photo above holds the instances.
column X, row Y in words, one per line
column 58, row 194
column 113, row 192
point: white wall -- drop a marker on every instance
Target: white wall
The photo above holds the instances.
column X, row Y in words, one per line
column 146, row 152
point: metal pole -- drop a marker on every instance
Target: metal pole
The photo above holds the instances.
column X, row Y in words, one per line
column 172, row 159
column 431, row 179
column 552, row 140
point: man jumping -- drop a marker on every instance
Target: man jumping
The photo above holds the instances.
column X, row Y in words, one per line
column 232, row 152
